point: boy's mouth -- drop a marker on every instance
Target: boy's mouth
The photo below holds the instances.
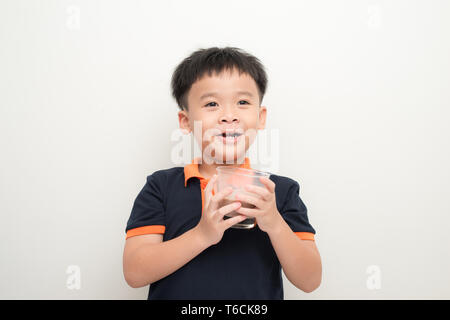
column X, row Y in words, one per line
column 229, row 137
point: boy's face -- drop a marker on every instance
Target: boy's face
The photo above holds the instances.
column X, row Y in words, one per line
column 227, row 102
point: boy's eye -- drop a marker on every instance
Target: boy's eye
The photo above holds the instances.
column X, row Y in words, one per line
column 210, row 103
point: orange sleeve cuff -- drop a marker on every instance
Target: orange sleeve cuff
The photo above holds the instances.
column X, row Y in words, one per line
column 145, row 230
column 305, row 235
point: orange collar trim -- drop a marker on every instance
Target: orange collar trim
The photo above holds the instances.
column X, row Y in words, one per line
column 191, row 170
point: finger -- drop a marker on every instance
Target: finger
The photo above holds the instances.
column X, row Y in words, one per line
column 218, row 198
column 262, row 192
column 209, row 188
column 227, row 209
column 269, row 184
column 248, row 212
column 247, row 198
column 232, row 221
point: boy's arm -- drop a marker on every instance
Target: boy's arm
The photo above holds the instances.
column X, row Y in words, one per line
column 299, row 259
column 147, row 258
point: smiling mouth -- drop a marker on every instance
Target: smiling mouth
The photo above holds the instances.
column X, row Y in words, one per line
column 229, row 137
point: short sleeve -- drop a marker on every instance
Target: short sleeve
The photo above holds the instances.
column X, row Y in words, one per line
column 295, row 214
column 147, row 214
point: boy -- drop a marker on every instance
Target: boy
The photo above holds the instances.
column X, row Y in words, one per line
column 176, row 237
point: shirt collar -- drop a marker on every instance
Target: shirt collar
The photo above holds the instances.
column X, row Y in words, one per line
column 191, row 170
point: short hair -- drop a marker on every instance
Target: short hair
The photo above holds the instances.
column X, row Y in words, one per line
column 215, row 59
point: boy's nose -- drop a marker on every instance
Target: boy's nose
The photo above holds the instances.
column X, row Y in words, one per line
column 229, row 117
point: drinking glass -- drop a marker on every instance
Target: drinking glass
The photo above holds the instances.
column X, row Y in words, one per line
column 237, row 178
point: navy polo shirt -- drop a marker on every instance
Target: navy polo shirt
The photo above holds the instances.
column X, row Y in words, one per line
column 243, row 265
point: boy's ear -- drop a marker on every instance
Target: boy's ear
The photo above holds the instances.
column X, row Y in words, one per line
column 183, row 119
column 262, row 118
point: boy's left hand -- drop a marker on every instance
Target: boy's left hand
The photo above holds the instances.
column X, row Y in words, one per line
column 266, row 213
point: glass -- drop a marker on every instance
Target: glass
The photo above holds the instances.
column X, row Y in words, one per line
column 237, row 178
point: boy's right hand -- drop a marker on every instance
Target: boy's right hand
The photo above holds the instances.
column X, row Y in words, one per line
column 212, row 225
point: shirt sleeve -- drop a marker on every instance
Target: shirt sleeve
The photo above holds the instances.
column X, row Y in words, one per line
column 295, row 214
column 147, row 214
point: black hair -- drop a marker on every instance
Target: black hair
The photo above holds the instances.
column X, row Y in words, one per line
column 215, row 59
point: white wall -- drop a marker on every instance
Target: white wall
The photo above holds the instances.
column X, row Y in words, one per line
column 359, row 91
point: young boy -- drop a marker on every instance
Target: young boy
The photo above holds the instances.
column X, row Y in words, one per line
column 176, row 237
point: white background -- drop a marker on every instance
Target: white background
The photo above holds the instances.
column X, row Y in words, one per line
column 359, row 91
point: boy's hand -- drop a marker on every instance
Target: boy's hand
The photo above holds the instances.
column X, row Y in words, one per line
column 266, row 213
column 212, row 225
